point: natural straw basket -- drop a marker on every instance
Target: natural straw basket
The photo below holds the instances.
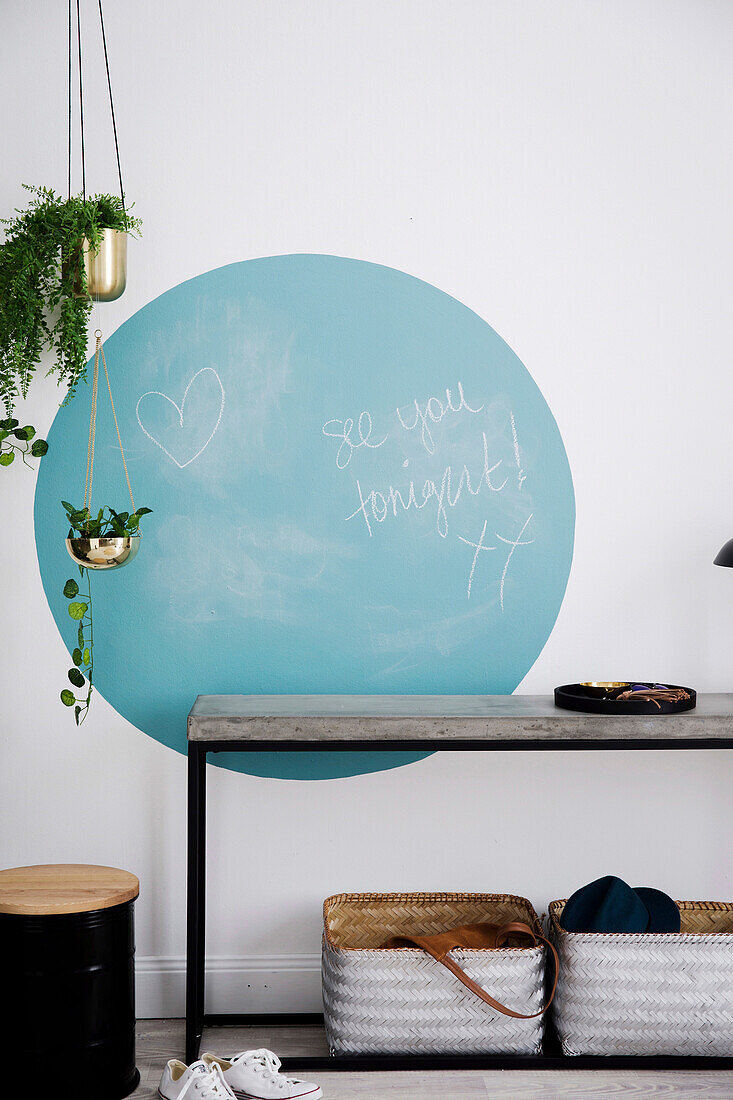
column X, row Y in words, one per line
column 400, row 1000
column 650, row 993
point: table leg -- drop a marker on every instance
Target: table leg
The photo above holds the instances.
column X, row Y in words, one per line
column 196, row 901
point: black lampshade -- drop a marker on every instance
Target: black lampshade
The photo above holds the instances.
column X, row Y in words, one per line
column 725, row 556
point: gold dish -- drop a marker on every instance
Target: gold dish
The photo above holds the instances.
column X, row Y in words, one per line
column 604, row 689
column 103, row 553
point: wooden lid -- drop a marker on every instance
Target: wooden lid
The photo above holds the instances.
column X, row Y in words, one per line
column 55, row 888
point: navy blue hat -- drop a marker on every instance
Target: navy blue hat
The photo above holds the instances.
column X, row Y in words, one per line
column 610, row 905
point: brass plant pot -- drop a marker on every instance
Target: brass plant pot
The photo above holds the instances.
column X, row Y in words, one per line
column 103, row 553
column 105, row 267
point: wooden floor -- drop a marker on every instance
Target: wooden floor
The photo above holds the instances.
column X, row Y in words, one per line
column 159, row 1040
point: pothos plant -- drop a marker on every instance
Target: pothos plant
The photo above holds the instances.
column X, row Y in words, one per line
column 80, row 610
column 115, row 525
column 43, row 288
column 82, row 524
column 12, row 436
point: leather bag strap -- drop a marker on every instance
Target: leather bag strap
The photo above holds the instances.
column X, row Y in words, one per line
column 480, row 936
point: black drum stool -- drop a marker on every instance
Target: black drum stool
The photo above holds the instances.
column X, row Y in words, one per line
column 67, row 995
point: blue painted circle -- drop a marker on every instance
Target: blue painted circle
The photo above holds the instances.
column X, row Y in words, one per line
column 357, row 488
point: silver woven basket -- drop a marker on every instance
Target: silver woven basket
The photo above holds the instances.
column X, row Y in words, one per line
column 401, row 1001
column 654, row 993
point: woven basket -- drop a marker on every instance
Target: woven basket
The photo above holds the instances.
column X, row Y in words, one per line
column 401, row 1001
column 650, row 993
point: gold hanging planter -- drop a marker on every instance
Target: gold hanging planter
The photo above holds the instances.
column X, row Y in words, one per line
column 105, row 267
column 104, row 551
column 107, row 553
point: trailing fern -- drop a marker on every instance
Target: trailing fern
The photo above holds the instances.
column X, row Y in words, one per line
column 41, row 276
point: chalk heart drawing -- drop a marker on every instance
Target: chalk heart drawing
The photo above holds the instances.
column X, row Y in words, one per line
column 387, row 508
column 181, row 410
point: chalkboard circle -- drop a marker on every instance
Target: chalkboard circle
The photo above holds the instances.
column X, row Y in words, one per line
column 357, row 488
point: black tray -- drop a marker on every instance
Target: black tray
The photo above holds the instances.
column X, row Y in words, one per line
column 573, row 697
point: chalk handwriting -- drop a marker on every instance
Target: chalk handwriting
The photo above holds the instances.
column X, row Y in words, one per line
column 433, row 411
column 478, row 547
column 513, row 546
column 440, row 495
column 379, row 504
column 517, row 459
column 343, row 431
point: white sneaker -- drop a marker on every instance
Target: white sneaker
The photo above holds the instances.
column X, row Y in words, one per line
column 255, row 1075
column 198, row 1081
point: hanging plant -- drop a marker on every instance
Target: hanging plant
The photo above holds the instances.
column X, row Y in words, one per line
column 44, row 292
column 11, row 435
column 58, row 257
column 103, row 540
column 101, row 543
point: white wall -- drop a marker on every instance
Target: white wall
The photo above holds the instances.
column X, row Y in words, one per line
column 564, row 168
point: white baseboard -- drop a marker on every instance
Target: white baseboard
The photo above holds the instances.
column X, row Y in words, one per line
column 244, row 983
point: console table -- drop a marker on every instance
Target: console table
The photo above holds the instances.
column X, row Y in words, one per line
column 403, row 723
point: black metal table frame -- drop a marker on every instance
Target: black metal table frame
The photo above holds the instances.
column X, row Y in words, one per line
column 197, row 1018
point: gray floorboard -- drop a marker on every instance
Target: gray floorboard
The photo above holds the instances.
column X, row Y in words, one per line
column 159, row 1040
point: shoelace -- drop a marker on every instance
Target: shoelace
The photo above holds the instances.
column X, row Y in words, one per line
column 208, row 1082
column 267, row 1063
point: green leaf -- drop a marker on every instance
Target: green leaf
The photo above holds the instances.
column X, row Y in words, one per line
column 68, row 698
column 143, row 511
column 39, row 448
column 80, row 636
column 71, row 589
column 3, row 435
column 87, row 657
column 78, row 610
column 76, row 677
column 77, row 712
column 6, row 458
column 9, row 424
column 68, row 507
column 25, row 433
column 77, row 657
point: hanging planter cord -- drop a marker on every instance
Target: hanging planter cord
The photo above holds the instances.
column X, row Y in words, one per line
column 111, row 105
column 81, row 99
column 99, row 352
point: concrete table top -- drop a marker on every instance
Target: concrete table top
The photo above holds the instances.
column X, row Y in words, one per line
column 444, row 718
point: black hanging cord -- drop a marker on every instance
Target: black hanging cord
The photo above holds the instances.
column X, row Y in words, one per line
column 81, row 100
column 111, row 104
column 81, row 106
column 70, row 23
